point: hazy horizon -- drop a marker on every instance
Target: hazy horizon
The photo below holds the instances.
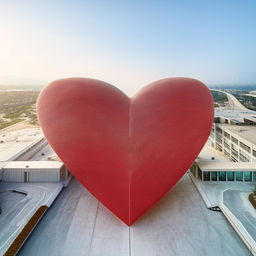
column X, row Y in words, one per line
column 128, row 44
column 26, row 83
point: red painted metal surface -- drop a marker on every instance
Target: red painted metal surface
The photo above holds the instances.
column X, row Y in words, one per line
column 127, row 152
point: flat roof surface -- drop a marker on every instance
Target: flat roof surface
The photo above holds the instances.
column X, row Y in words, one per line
column 15, row 141
column 180, row 224
column 220, row 162
column 208, row 152
column 233, row 113
column 33, row 165
column 248, row 132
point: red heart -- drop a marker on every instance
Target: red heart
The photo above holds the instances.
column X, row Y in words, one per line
column 128, row 152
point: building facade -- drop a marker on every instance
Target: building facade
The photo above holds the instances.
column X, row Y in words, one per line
column 236, row 142
column 230, row 152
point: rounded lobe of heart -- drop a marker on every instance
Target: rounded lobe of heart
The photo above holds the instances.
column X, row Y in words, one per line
column 171, row 120
column 127, row 152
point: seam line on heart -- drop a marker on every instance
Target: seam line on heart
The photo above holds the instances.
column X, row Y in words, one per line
column 130, row 168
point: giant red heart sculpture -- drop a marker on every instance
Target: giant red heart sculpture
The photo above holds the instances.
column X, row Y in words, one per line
column 128, row 152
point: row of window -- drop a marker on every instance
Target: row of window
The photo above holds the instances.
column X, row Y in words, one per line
column 245, row 147
column 227, row 135
column 243, row 157
column 233, row 139
column 228, row 176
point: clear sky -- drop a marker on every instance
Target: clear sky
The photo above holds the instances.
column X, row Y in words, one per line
column 128, row 43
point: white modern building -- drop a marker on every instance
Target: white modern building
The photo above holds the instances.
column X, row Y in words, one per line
column 230, row 152
column 16, row 151
column 34, row 171
column 212, row 165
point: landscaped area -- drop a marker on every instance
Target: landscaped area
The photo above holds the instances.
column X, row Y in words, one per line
column 252, row 199
column 17, row 106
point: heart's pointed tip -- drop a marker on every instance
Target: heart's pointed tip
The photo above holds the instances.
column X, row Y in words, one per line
column 127, row 221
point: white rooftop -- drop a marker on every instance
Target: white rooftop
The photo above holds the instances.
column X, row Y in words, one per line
column 220, row 162
column 33, row 165
column 208, row 152
column 15, row 141
column 248, row 132
column 234, row 114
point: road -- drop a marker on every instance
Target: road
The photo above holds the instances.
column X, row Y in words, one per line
column 234, row 103
column 238, row 203
column 180, row 224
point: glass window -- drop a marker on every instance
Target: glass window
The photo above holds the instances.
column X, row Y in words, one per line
column 207, row 176
column 247, row 176
column 243, row 157
column 254, row 176
column 218, row 129
column 226, row 152
column 234, row 151
column 214, row 176
column 199, row 173
column 254, row 153
column 226, row 145
column 245, row 147
column 239, row 176
column 222, row 176
column 231, row 176
column 234, row 159
column 234, row 140
column 227, row 135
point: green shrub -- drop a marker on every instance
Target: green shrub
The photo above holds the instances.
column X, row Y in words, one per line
column 252, row 200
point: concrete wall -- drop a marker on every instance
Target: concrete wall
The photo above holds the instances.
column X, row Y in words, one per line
column 26, row 175
column 13, row 176
column 44, row 176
